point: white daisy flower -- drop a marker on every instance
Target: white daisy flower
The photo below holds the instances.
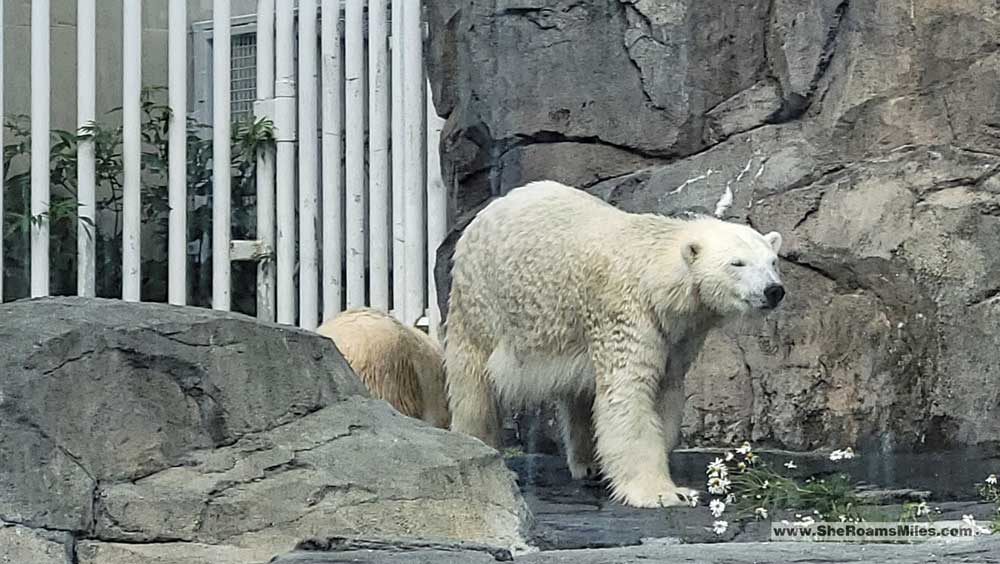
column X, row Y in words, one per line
column 731, row 498
column 717, row 467
column 991, row 479
column 760, row 513
column 807, row 521
column 744, row 448
column 718, row 485
column 693, row 499
column 730, row 456
column 716, row 507
column 719, row 527
column 837, row 455
column 790, row 465
column 848, row 453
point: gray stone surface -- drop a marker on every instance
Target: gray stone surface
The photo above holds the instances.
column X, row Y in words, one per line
column 21, row 544
column 571, row 514
column 984, row 550
column 168, row 434
column 864, row 131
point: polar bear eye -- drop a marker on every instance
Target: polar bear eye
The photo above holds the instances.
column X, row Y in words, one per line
column 737, row 262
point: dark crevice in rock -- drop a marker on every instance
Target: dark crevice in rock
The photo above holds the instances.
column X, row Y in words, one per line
column 543, row 137
column 345, row 544
column 829, row 46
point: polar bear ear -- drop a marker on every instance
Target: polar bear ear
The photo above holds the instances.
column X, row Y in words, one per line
column 690, row 251
column 774, row 239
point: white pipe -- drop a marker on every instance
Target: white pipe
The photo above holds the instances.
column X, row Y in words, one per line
column 86, row 179
column 413, row 162
column 308, row 155
column 333, row 153
column 437, row 209
column 354, row 65
column 265, row 160
column 221, row 161
column 398, row 247
column 378, row 153
column 40, row 91
column 131, row 149
column 284, row 129
column 177, row 152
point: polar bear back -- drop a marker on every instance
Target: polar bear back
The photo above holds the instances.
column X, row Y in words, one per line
column 534, row 264
column 397, row 363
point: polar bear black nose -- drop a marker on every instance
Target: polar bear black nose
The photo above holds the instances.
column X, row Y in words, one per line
column 773, row 294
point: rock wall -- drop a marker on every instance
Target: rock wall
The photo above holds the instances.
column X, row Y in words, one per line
column 868, row 133
column 150, row 433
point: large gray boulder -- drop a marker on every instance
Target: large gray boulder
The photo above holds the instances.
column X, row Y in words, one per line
column 152, row 433
column 866, row 132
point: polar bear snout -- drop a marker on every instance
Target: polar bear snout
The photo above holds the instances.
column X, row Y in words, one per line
column 773, row 295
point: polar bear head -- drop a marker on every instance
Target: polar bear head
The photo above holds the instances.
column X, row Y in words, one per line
column 733, row 268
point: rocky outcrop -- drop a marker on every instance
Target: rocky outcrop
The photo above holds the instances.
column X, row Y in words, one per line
column 151, row 433
column 866, row 132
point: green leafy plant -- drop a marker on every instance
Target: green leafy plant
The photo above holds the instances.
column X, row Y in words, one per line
column 747, row 487
column 990, row 493
column 248, row 137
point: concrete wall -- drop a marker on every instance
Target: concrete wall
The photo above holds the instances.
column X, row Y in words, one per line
column 17, row 52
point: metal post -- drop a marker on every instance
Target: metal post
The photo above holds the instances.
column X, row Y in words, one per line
column 265, row 160
column 86, row 178
column 333, row 154
column 285, row 134
column 177, row 153
column 308, row 156
column 131, row 149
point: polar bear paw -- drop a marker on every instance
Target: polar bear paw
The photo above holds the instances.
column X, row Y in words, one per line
column 664, row 496
column 584, row 470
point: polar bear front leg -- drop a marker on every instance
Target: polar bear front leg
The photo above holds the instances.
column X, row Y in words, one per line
column 670, row 404
column 628, row 425
column 576, row 420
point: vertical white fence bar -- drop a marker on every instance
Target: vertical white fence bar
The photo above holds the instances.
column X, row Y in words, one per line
column 437, row 209
column 413, row 161
column 284, row 128
column 265, row 159
column 86, row 179
column 378, row 153
column 40, row 90
column 177, row 153
column 333, row 153
column 398, row 263
column 354, row 64
column 221, row 172
column 308, row 155
column 131, row 149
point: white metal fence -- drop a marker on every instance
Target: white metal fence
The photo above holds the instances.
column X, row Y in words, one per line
column 355, row 96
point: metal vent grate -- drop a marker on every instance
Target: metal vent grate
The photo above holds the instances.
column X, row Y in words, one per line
column 244, row 75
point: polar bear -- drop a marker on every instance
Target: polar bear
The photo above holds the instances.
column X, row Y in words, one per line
column 559, row 296
column 400, row 364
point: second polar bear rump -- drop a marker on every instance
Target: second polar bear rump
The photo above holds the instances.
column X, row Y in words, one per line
column 560, row 297
column 399, row 364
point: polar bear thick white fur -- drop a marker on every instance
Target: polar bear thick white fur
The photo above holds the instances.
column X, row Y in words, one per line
column 559, row 296
column 397, row 363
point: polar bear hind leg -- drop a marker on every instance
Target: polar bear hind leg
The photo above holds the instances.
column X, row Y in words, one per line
column 471, row 398
column 576, row 420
